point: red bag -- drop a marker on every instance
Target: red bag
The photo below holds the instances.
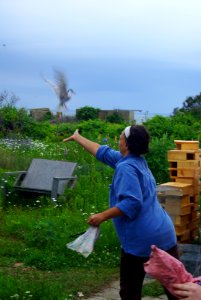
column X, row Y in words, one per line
column 167, row 269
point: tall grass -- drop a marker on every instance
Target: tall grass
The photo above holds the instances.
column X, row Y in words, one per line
column 34, row 231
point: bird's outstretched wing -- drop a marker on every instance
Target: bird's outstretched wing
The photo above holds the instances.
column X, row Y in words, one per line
column 52, row 84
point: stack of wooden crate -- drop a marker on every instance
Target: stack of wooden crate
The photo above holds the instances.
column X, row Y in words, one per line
column 180, row 197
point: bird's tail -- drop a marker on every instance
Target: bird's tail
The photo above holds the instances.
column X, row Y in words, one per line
column 61, row 108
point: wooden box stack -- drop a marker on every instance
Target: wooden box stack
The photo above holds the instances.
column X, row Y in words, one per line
column 180, row 197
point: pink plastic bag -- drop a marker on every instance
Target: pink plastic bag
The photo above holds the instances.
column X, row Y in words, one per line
column 167, row 269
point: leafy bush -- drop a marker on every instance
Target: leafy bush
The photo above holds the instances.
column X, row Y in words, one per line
column 115, row 118
column 182, row 126
column 100, row 129
column 87, row 113
column 10, row 120
column 192, row 105
column 185, row 126
column 159, row 125
column 17, row 122
column 157, row 158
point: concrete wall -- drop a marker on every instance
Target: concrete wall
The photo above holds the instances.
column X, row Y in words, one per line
column 39, row 113
column 127, row 115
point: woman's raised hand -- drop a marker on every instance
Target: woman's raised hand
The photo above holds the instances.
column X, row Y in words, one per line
column 72, row 137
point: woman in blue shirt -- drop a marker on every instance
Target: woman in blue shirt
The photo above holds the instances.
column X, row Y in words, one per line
column 138, row 217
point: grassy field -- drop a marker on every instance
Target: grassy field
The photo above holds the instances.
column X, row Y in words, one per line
column 34, row 260
column 34, row 231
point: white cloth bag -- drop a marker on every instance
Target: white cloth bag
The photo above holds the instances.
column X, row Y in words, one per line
column 84, row 244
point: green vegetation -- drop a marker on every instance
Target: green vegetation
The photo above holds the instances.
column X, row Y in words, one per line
column 153, row 289
column 34, row 231
column 115, row 118
column 87, row 113
column 192, row 105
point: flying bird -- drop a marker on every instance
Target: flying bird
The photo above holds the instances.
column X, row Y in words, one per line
column 61, row 88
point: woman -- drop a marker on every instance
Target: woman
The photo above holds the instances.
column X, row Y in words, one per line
column 138, row 217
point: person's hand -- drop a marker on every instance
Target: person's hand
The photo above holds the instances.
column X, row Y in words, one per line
column 107, row 214
column 72, row 137
column 96, row 219
column 188, row 291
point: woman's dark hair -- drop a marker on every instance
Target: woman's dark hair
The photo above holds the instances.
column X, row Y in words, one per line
column 138, row 140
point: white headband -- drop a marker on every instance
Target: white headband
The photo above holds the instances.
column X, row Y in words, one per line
column 127, row 131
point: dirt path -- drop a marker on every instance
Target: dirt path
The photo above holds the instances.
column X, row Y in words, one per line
column 111, row 292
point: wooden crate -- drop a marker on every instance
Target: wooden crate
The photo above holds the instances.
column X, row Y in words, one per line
column 176, row 209
column 178, row 200
column 182, row 202
column 195, row 215
column 190, row 180
column 180, row 205
column 175, row 189
column 176, row 155
column 161, row 201
column 185, row 236
column 181, row 220
column 194, row 199
column 186, row 145
column 191, row 173
column 185, row 164
column 194, row 224
column 195, row 207
column 194, row 181
column 180, row 229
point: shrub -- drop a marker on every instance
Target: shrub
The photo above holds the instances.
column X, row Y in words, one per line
column 87, row 113
column 157, row 158
column 158, row 126
column 115, row 118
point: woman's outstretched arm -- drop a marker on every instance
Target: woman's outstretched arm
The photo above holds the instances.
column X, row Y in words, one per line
column 88, row 145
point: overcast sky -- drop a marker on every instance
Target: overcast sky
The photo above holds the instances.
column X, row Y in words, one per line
column 122, row 54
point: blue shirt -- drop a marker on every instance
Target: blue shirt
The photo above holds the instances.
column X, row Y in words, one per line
column 133, row 191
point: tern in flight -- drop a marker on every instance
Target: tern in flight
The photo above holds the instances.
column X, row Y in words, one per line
column 60, row 86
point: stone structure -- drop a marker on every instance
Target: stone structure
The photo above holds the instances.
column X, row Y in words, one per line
column 127, row 115
column 39, row 113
